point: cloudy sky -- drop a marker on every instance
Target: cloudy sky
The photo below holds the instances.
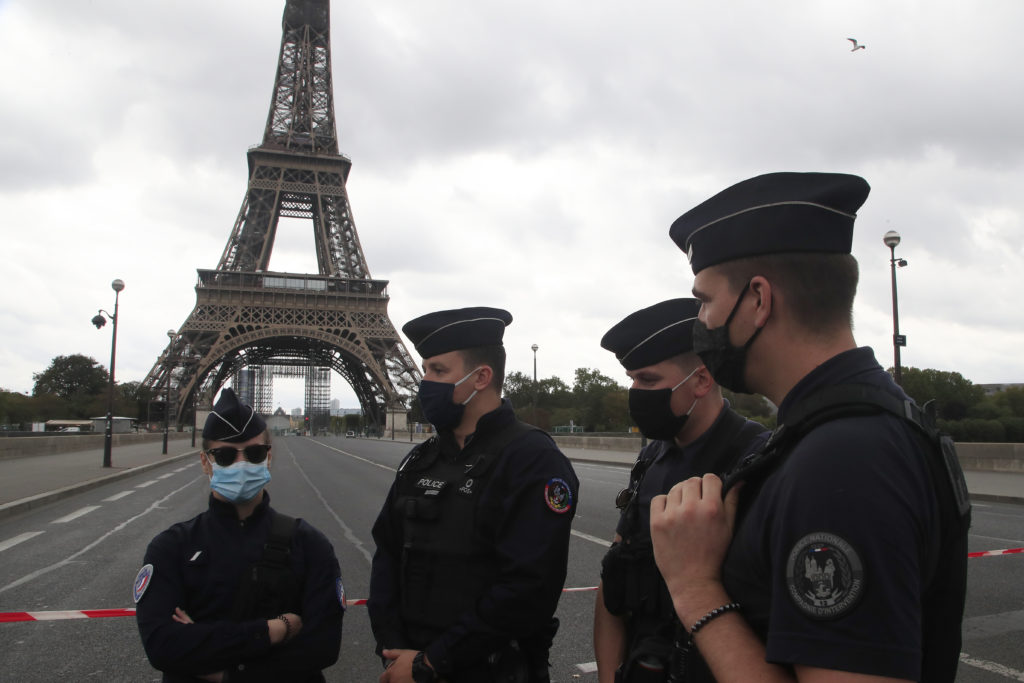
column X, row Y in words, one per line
column 528, row 155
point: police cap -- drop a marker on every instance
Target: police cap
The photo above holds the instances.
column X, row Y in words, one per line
column 232, row 421
column 462, row 328
column 653, row 334
column 772, row 214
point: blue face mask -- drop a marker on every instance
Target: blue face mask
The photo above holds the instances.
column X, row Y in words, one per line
column 239, row 482
column 436, row 402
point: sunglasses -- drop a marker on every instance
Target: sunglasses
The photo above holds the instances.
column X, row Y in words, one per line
column 225, row 455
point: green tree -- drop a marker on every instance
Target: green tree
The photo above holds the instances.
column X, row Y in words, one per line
column 16, row 410
column 597, row 412
column 953, row 394
column 1012, row 400
column 69, row 377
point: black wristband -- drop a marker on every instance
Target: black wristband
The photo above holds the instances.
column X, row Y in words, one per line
column 717, row 612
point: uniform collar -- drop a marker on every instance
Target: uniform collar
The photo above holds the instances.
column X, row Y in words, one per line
column 225, row 509
column 856, row 366
column 487, row 424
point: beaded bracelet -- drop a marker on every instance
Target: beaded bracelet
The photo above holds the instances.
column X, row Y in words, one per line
column 287, row 627
column 717, row 612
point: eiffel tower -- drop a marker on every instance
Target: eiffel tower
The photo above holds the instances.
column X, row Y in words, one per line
column 250, row 319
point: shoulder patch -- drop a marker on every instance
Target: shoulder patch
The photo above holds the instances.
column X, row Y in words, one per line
column 824, row 576
column 558, row 495
column 339, row 588
column 141, row 582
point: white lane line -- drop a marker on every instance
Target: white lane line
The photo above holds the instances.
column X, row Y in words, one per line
column 76, row 514
column 11, row 542
column 164, row 476
column 349, row 534
column 992, row 667
column 587, row 667
column 1015, row 541
column 146, row 483
column 353, row 455
column 118, row 496
column 593, row 539
column 73, row 556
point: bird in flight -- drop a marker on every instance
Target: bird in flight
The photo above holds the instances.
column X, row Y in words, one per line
column 856, row 45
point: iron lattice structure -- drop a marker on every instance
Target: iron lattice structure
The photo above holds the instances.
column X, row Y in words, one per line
column 249, row 317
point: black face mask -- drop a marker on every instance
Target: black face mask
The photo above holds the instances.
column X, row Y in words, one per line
column 652, row 411
column 436, row 402
column 725, row 362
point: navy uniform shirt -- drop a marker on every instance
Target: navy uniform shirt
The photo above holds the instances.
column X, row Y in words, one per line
column 729, row 438
column 671, row 464
column 196, row 565
column 529, row 543
column 828, row 558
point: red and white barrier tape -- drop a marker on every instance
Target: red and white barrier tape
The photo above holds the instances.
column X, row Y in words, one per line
column 130, row 612
column 993, row 553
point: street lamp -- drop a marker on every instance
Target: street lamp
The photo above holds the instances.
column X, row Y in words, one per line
column 99, row 321
column 534, row 347
column 171, row 335
column 891, row 239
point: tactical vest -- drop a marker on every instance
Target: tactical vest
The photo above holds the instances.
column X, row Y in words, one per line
column 632, row 581
column 269, row 587
column 447, row 563
column 946, row 565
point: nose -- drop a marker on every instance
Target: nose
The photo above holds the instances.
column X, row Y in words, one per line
column 239, row 455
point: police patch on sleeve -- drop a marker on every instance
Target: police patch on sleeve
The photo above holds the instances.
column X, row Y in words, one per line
column 339, row 588
column 558, row 495
column 824, row 576
column 141, row 582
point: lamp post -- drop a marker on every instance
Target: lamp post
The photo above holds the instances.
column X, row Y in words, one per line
column 891, row 239
column 99, row 321
column 534, row 347
column 171, row 335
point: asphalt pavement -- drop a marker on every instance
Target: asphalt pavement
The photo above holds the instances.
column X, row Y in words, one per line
column 35, row 480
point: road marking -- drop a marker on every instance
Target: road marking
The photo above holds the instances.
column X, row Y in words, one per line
column 164, row 476
column 118, row 496
column 11, row 542
column 73, row 556
column 587, row 667
column 593, row 539
column 992, row 667
column 76, row 514
column 349, row 534
column 353, row 455
column 997, row 538
column 146, row 483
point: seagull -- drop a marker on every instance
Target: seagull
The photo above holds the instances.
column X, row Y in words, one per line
column 856, row 46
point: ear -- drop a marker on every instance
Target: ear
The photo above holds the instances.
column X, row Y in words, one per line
column 483, row 380
column 703, row 383
column 763, row 301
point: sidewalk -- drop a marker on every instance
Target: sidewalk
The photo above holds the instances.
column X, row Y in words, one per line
column 35, row 480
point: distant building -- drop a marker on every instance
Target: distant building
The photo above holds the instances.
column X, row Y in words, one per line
column 996, row 388
column 340, row 412
column 278, row 423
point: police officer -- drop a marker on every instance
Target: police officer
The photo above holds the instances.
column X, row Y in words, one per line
column 848, row 538
column 240, row 592
column 473, row 538
column 675, row 403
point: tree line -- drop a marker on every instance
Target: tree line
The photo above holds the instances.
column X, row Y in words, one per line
column 75, row 387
